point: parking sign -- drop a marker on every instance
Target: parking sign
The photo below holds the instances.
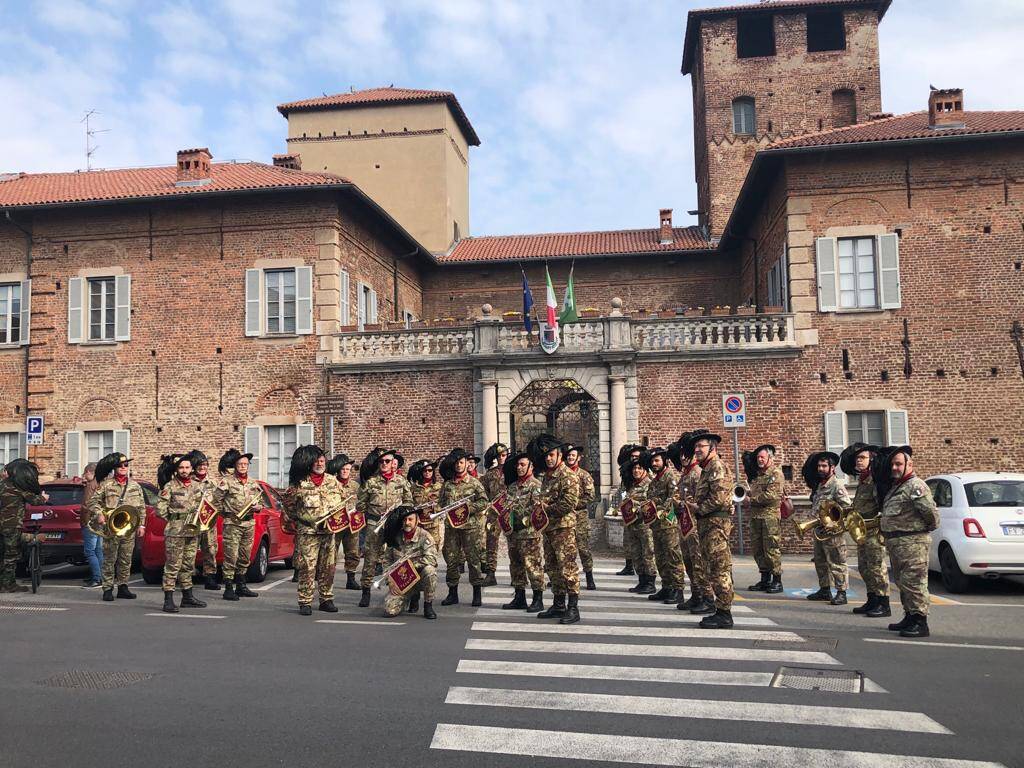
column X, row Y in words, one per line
column 34, row 430
column 734, row 410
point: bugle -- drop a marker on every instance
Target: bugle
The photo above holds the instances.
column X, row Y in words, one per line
column 739, row 493
column 383, row 519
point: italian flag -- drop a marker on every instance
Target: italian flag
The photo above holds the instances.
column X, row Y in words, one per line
column 552, row 319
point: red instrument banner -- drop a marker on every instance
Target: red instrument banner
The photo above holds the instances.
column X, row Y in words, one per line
column 356, row 521
column 628, row 512
column 426, row 510
column 539, row 519
column 403, row 577
column 206, row 513
column 458, row 515
column 500, row 504
column 649, row 511
column 337, row 523
column 505, row 521
column 685, row 520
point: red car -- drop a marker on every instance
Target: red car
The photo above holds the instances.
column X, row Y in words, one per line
column 270, row 542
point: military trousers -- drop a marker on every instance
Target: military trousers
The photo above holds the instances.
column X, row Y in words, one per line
column 560, row 560
column 117, row 560
column 872, row 566
column 766, row 544
column 714, row 542
column 583, row 539
column 909, row 558
column 830, row 562
column 237, row 542
column 667, row 554
column 693, row 562
column 492, row 532
column 179, row 561
column 639, row 547
column 346, row 544
column 10, row 552
column 462, row 545
column 208, row 546
column 524, row 560
column 427, row 586
column 314, row 560
column 373, row 553
column 436, row 530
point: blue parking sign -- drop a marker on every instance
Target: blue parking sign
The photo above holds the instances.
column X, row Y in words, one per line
column 34, row 430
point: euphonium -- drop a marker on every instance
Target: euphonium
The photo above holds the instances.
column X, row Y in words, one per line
column 120, row 522
column 829, row 522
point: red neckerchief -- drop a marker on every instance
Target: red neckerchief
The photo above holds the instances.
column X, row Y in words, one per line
column 574, row 468
column 473, row 473
column 241, row 478
column 460, row 478
column 705, row 462
column 316, row 479
column 901, row 481
column 186, row 482
column 691, row 466
column 865, row 475
column 409, row 534
column 660, row 473
column 344, row 483
column 120, row 480
column 387, row 475
column 525, row 478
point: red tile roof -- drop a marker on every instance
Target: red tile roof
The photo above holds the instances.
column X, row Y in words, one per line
column 569, row 244
column 57, row 189
column 904, row 127
column 388, row 95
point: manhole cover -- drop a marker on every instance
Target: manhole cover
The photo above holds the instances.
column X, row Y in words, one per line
column 815, row 679
column 810, row 643
column 34, row 608
column 77, row 678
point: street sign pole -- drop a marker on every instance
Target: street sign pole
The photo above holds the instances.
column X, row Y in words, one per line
column 734, row 416
column 739, row 504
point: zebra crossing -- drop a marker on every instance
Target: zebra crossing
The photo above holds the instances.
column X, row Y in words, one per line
column 639, row 661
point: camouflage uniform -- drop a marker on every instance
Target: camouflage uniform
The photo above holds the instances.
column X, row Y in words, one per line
column 713, row 497
column 636, row 538
column 117, row 550
column 524, row 543
column 208, row 538
column 12, row 513
column 871, row 554
column 909, row 514
column 665, row 529
column 766, row 519
column 347, row 541
column 693, row 558
column 587, row 497
column 559, row 496
column 177, row 502
column 465, row 540
column 830, row 555
column 493, row 482
column 230, row 498
column 376, row 496
column 314, row 545
column 429, row 494
column 423, row 552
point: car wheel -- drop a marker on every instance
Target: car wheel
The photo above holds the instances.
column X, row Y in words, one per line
column 953, row 579
column 261, row 564
column 152, row 575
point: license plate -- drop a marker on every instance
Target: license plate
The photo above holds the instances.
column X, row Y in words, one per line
column 54, row 536
column 1013, row 530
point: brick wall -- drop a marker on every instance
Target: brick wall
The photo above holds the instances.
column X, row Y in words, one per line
column 12, row 359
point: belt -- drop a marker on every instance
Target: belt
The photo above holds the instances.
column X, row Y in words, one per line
column 900, row 534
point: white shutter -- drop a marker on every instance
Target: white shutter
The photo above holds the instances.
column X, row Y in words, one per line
column 251, row 444
column 123, row 308
column 782, row 281
column 72, row 452
column 896, row 427
column 360, row 305
column 825, row 252
column 889, row 271
column 252, row 302
column 26, row 312
column 303, row 300
column 76, row 293
column 123, row 442
column 22, row 446
column 373, row 306
column 835, row 434
column 344, row 297
column 304, row 434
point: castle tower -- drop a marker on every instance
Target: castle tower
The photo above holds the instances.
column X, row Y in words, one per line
column 772, row 70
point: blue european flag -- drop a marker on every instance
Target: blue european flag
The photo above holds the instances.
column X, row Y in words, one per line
column 527, row 304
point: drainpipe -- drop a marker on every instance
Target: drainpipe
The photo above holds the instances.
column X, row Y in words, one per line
column 28, row 273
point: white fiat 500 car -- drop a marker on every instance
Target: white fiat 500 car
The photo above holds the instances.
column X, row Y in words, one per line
column 981, row 532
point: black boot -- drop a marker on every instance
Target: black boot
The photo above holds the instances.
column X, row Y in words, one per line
column 590, row 579
column 210, row 582
column 242, row 589
column 705, row 606
column 918, row 627
column 124, row 593
column 693, row 602
column 899, row 626
column 824, row 594
column 648, row 587
column 414, row 603
column 350, row 582
column 188, row 600
column 229, row 592
column 108, row 595
column 628, row 570
column 328, row 606
column 518, row 601
column 719, row 620
column 872, row 601
column 490, row 580
column 839, row 599
column 295, row 579
column 674, row 596
column 641, row 582
column 762, row 585
column 775, row 585
column 462, row 567
column 453, row 596
column 305, row 609
column 428, row 611
column 556, row 611
column 537, row 604
column 478, row 598
column 661, row 594
column 169, row 606
column 572, row 612
column 881, row 608
column 364, row 601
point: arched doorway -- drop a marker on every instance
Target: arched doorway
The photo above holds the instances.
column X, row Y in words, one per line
column 561, row 407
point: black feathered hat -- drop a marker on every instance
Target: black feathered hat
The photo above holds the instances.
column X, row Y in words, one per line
column 810, row 468
column 447, row 465
column 303, row 459
column 848, row 458
column 675, row 455
column 881, row 470
column 196, row 457
column 541, row 446
column 686, row 441
column 23, row 475
column 230, row 458
column 749, row 461
column 169, row 464
column 369, row 466
column 626, row 470
column 391, row 533
column 340, row 460
column 491, row 454
column 417, row 469
column 657, row 451
column 509, row 467
column 625, row 451
column 108, row 464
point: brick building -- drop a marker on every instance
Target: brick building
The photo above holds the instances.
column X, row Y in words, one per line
column 857, row 275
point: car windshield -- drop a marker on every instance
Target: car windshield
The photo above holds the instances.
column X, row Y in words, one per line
column 995, row 493
column 64, row 495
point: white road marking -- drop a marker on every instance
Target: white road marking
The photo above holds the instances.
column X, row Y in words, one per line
column 676, row 617
column 358, row 621
column 703, row 709
column 597, row 629
column 55, row 568
column 188, row 615
column 271, row 585
column 638, row 605
column 926, row 643
column 601, row 672
column 594, row 747
column 651, row 651
column 36, row 608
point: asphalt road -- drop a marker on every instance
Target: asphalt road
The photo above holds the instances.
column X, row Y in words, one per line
column 254, row 684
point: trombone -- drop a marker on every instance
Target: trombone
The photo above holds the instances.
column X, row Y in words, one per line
column 119, row 522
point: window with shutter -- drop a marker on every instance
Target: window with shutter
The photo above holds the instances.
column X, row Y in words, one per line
column 372, row 313
column 303, row 300
column 889, row 270
column 744, row 120
column 11, row 446
column 75, row 320
column 26, row 311
column 362, row 298
column 305, row 434
column 835, row 433
column 251, row 444
column 344, row 310
column 123, row 307
column 72, row 453
column 896, row 427
column 825, row 258
column 13, row 317
column 123, row 442
column 253, row 305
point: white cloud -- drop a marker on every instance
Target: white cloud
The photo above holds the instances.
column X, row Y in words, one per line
column 77, row 17
column 183, row 28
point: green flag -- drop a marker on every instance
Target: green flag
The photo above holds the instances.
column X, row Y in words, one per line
column 568, row 314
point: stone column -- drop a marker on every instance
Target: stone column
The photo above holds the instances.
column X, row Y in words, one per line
column 489, row 407
column 617, row 400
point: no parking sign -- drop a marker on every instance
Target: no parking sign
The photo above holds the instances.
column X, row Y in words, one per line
column 734, row 410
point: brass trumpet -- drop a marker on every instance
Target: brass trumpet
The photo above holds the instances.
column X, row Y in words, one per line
column 120, row 522
column 860, row 528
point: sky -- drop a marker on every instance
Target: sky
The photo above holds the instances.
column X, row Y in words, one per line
column 584, row 117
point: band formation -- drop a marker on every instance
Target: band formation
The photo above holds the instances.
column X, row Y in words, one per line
column 677, row 505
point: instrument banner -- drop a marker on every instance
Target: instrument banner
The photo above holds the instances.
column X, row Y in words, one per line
column 337, row 523
column 505, row 521
column 500, row 504
column 206, row 514
column 539, row 519
column 649, row 511
column 356, row 521
column 425, row 511
column 404, row 577
column 458, row 514
column 685, row 520
column 628, row 512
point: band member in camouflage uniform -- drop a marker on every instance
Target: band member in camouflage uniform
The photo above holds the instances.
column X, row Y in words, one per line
column 19, row 486
column 382, row 488
column 494, row 483
column 237, row 493
column 712, row 506
column 764, row 496
column 559, row 498
column 524, row 541
column 311, row 494
column 636, row 538
column 702, row 599
column 829, row 556
column 346, row 542
column 114, row 489
column 426, row 490
column 909, row 515
column 179, row 499
column 459, row 484
column 665, row 529
column 208, row 538
column 405, row 539
column 588, row 495
column 625, row 452
column 856, row 461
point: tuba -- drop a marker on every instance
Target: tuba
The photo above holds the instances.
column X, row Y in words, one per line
column 120, row 522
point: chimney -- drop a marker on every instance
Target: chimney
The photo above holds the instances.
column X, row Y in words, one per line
column 666, row 235
column 292, row 161
column 194, row 166
column 946, row 108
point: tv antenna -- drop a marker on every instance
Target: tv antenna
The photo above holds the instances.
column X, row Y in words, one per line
column 90, row 132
